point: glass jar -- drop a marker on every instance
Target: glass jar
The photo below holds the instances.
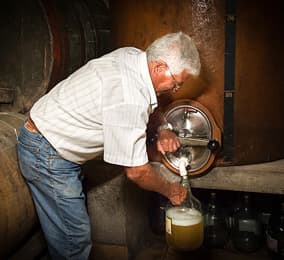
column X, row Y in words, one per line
column 184, row 223
column 215, row 221
column 275, row 234
column 246, row 230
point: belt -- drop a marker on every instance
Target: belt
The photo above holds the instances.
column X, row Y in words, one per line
column 30, row 125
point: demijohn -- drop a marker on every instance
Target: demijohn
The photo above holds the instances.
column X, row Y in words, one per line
column 215, row 222
column 184, row 223
column 275, row 234
column 246, row 230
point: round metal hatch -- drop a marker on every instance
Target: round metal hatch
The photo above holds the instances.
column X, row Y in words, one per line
column 197, row 133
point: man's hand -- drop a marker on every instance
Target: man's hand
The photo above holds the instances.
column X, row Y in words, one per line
column 167, row 141
column 177, row 193
column 145, row 177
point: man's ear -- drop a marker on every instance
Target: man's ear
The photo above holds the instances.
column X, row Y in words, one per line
column 160, row 67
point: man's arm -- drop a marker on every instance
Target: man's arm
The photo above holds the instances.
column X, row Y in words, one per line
column 145, row 177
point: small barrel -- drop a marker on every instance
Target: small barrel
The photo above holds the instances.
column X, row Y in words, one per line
column 18, row 218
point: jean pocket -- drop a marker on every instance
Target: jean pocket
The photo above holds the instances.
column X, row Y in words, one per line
column 28, row 141
column 28, row 161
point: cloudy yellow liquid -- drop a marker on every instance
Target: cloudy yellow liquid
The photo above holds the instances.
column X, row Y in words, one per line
column 184, row 228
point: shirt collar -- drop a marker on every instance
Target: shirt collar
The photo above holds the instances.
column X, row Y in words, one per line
column 147, row 79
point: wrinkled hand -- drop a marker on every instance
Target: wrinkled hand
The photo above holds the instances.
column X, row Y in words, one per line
column 177, row 194
column 167, row 141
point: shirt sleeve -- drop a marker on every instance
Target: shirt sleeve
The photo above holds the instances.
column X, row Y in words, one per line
column 124, row 129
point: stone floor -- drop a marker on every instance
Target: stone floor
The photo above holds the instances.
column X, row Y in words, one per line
column 154, row 248
column 157, row 249
column 216, row 254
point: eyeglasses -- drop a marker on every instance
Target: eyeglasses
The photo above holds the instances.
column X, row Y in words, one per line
column 178, row 85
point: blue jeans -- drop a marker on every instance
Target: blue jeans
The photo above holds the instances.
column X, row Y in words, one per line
column 58, row 197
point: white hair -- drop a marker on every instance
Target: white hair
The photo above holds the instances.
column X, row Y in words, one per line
column 178, row 51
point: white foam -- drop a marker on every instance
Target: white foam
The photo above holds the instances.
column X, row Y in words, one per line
column 181, row 216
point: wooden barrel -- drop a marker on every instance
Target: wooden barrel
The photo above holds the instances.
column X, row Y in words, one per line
column 43, row 41
column 254, row 118
column 17, row 214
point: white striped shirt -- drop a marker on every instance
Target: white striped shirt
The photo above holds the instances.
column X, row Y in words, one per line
column 102, row 107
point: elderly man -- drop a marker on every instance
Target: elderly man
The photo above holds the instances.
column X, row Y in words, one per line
column 102, row 107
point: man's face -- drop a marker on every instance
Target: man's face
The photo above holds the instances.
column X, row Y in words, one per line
column 164, row 80
column 169, row 82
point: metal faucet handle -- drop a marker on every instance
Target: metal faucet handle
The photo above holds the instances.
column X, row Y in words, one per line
column 183, row 151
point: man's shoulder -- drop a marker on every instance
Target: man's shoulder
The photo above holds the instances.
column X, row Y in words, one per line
column 123, row 51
